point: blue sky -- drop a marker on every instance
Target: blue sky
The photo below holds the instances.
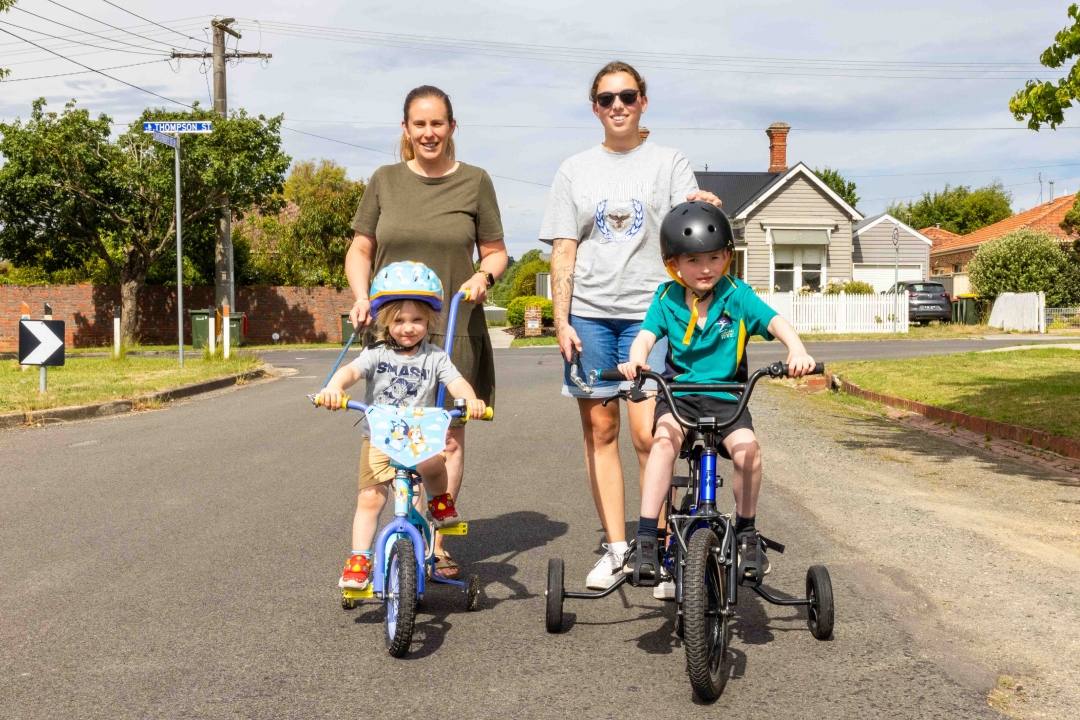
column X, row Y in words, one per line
column 826, row 68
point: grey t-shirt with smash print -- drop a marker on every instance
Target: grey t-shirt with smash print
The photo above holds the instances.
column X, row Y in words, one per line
column 396, row 379
column 612, row 204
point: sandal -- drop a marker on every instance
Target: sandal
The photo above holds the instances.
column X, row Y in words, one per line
column 446, row 566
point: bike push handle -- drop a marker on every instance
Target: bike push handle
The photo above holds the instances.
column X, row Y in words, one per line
column 350, row 404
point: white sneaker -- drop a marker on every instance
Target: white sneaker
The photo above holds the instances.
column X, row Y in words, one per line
column 665, row 590
column 605, row 572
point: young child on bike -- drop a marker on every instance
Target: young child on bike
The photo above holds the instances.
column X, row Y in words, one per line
column 401, row 369
column 708, row 316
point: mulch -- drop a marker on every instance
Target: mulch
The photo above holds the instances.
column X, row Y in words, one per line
column 519, row 332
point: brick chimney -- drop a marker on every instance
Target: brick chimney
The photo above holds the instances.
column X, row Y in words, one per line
column 778, row 133
column 643, row 133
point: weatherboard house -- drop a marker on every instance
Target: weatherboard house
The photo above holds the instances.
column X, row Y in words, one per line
column 793, row 231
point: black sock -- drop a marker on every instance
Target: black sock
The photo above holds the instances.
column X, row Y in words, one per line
column 647, row 526
column 742, row 523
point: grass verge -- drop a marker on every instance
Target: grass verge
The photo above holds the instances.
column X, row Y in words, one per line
column 533, row 341
column 934, row 331
column 89, row 380
column 1033, row 388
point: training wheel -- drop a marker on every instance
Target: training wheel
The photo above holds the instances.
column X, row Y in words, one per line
column 554, row 592
column 472, row 593
column 819, row 593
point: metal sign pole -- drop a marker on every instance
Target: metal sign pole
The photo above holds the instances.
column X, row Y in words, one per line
column 896, row 278
column 179, row 261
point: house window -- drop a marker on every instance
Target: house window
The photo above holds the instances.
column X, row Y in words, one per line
column 797, row 266
column 738, row 264
column 957, row 268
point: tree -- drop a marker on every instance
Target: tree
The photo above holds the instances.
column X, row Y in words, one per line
column 503, row 291
column 1026, row 261
column 4, row 6
column 959, row 209
column 1044, row 103
column 68, row 192
column 838, row 184
column 326, row 201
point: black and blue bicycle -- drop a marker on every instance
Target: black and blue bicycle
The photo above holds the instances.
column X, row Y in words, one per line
column 700, row 553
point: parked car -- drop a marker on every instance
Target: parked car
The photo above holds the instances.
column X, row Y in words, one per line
column 926, row 301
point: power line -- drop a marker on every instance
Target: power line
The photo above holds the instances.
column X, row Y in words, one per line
column 384, row 152
column 99, row 72
column 54, row 37
column 961, row 172
column 149, row 32
column 149, row 21
column 102, row 22
column 652, row 60
column 84, row 72
column 85, row 32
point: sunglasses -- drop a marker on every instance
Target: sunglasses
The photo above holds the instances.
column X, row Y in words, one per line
column 607, row 99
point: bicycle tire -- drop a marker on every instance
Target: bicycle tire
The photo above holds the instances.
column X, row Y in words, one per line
column 553, row 611
column 399, row 598
column 706, row 628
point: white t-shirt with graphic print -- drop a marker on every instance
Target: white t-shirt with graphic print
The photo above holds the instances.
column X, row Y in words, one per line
column 612, row 204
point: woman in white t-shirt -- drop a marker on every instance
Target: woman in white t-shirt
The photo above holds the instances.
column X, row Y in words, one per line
column 603, row 221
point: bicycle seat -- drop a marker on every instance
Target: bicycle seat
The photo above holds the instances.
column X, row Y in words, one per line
column 694, row 436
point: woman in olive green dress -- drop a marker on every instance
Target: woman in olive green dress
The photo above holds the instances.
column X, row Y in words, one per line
column 432, row 209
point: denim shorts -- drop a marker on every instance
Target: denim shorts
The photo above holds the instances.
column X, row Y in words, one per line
column 605, row 342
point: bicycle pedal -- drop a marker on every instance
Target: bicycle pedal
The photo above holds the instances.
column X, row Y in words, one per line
column 358, row 594
column 461, row 528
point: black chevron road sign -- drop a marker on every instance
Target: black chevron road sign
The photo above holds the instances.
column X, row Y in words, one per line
column 41, row 342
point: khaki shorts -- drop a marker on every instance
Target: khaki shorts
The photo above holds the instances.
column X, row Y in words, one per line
column 375, row 467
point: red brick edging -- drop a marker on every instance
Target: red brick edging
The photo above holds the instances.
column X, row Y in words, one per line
column 1017, row 433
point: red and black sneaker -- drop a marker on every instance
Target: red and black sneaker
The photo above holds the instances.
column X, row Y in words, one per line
column 442, row 511
column 357, row 573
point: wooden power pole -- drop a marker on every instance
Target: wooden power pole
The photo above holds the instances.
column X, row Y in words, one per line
column 224, row 278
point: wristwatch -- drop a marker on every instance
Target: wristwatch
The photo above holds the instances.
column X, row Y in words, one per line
column 490, row 278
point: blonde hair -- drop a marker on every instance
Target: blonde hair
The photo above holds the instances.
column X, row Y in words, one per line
column 389, row 312
column 617, row 66
column 405, row 147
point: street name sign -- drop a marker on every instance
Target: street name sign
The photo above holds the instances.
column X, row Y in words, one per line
column 41, row 342
column 183, row 126
column 166, row 139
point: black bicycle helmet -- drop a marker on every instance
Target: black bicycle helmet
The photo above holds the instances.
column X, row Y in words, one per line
column 694, row 227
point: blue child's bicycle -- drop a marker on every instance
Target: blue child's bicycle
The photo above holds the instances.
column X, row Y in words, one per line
column 404, row 549
column 700, row 553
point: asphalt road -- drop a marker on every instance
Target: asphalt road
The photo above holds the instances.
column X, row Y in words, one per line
column 183, row 563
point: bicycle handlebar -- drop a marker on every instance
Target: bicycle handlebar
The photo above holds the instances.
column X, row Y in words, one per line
column 776, row 370
column 350, row 404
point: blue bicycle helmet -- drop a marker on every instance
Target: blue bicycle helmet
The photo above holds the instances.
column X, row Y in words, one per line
column 406, row 280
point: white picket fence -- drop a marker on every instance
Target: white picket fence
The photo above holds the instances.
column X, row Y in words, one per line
column 1019, row 312
column 840, row 313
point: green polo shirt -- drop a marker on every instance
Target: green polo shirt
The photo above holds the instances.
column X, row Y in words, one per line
column 716, row 352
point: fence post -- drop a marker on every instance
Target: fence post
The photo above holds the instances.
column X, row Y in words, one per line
column 25, row 316
column 116, row 331
column 841, row 313
column 212, row 322
column 1042, row 312
column 225, row 329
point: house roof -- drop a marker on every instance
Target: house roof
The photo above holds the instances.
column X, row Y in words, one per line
column 742, row 192
column 938, row 236
column 870, row 222
column 1046, row 217
column 736, row 189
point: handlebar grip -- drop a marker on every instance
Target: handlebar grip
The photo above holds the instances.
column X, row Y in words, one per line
column 819, row 369
column 780, row 369
column 489, row 414
column 611, row 375
column 467, row 292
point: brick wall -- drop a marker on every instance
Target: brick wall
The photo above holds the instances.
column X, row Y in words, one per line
column 297, row 314
column 945, row 261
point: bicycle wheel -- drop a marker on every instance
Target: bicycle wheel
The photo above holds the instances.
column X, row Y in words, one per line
column 399, row 599
column 554, row 601
column 706, row 632
column 819, row 593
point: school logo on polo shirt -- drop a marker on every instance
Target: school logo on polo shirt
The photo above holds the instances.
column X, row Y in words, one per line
column 726, row 326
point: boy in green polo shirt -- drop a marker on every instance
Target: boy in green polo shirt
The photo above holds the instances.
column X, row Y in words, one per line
column 708, row 316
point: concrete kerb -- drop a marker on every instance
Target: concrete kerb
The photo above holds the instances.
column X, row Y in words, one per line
column 1067, row 447
column 117, row 407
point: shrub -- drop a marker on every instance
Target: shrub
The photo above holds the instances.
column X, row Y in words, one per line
column 851, row 287
column 1025, row 261
column 515, row 311
column 503, row 291
column 525, row 280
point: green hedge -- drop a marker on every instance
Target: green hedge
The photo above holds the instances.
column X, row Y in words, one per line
column 851, row 287
column 515, row 311
column 1026, row 261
